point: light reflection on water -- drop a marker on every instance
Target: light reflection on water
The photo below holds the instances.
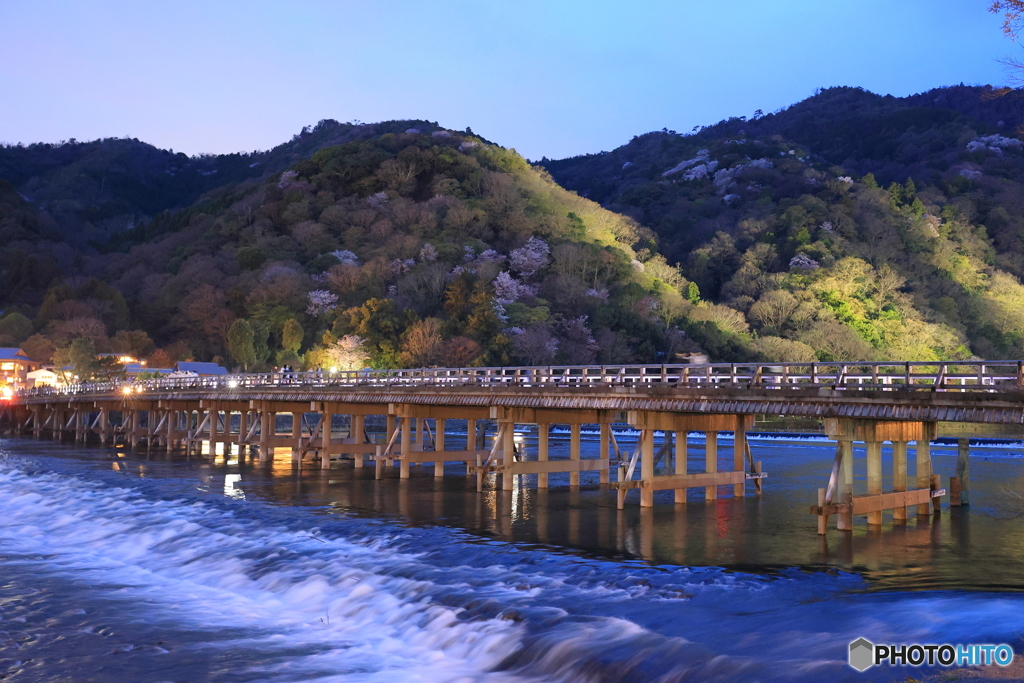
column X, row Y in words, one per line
column 584, row 591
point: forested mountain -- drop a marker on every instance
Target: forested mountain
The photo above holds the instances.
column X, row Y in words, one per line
column 847, row 226
column 420, row 247
column 93, row 190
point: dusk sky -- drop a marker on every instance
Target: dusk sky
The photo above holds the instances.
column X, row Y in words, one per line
column 548, row 78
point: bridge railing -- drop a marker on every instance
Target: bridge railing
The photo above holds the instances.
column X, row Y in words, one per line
column 987, row 376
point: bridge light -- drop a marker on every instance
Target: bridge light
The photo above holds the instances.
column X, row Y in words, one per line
column 126, row 390
column 232, row 383
column 6, row 394
column 334, row 370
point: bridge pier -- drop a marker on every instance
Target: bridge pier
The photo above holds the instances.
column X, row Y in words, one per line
column 682, row 423
column 838, row 499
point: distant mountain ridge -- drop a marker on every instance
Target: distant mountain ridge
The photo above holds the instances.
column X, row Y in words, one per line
column 93, row 190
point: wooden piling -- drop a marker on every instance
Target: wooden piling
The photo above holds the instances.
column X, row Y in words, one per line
column 508, row 455
column 606, row 433
column 711, row 462
column 542, row 453
column 899, row 478
column 844, row 520
column 647, row 467
column 327, row 426
column 296, row 439
column 406, row 447
column 439, row 446
column 680, row 468
column 739, row 447
column 874, row 457
column 963, row 469
column 574, row 453
column 924, row 472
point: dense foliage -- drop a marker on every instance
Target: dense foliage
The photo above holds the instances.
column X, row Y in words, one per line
column 795, row 255
column 421, row 247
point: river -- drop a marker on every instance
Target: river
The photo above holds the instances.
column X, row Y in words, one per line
column 125, row 566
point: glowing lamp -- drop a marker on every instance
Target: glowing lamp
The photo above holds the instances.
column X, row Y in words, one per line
column 126, row 390
column 233, row 383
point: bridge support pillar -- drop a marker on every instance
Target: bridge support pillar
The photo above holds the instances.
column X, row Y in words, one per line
column 297, row 439
column 357, row 430
column 606, row 433
column 406, row 448
column 81, row 417
column 326, row 427
column 243, row 428
column 267, row 429
column 439, row 446
column 508, row 454
column 963, row 469
column 923, row 454
column 543, row 432
column 874, row 456
column 845, row 519
column 899, row 478
column 711, row 462
column 574, row 452
column 646, row 467
column 680, row 464
column 739, row 453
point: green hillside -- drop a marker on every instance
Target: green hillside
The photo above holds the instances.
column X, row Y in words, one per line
column 422, row 247
column 795, row 248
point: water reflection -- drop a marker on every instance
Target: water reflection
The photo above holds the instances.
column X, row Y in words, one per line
column 977, row 547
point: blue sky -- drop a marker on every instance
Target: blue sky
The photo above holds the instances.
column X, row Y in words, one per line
column 553, row 78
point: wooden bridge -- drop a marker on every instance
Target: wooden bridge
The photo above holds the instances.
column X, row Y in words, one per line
column 325, row 416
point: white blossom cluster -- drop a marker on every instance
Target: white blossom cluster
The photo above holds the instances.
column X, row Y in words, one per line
column 803, row 261
column 702, row 157
column 378, row 201
column 468, row 145
column 730, row 199
column 701, row 171
column 428, row 252
column 287, row 178
column 346, row 257
column 601, row 294
column 508, row 290
column 321, row 301
column 531, row 257
column 970, row 175
column 845, row 179
column 994, row 143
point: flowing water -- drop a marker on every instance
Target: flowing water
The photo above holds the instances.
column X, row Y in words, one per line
column 121, row 566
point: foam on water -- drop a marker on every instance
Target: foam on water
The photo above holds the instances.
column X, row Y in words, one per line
column 192, row 565
column 365, row 600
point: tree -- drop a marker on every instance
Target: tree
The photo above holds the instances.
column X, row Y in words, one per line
column 77, row 360
column 14, row 329
column 422, row 346
column 773, row 309
column 1013, row 22
column 291, row 336
column 39, row 348
column 536, row 345
column 693, row 293
column 348, row 353
column 240, row 343
column 134, row 343
column 459, row 352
